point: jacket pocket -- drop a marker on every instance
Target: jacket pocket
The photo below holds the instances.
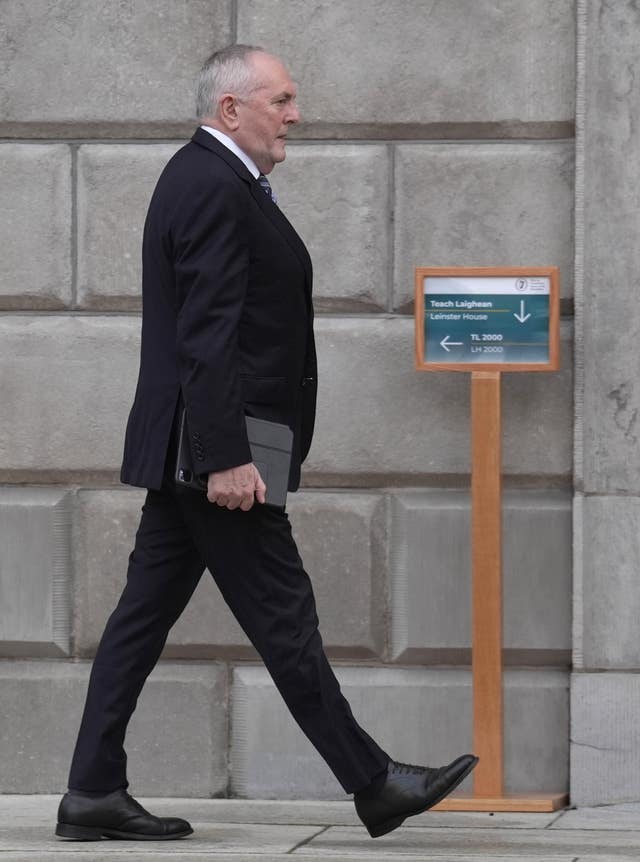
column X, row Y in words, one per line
column 263, row 390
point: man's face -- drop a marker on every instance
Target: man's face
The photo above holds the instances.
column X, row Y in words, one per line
column 265, row 116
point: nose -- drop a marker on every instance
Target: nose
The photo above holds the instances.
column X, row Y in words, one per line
column 293, row 114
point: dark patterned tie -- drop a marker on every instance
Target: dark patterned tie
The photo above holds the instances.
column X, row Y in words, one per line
column 266, row 187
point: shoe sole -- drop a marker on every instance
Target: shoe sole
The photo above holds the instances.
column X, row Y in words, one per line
column 96, row 833
column 390, row 825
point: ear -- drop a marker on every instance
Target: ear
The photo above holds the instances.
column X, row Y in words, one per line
column 228, row 111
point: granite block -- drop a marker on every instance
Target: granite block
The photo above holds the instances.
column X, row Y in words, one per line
column 115, row 183
column 176, row 741
column 431, row 577
column 337, row 198
column 342, row 541
column 35, row 225
column 379, row 420
column 271, row 758
column 404, row 61
column 605, row 738
column 495, row 204
column 607, row 590
column 35, row 571
column 610, row 314
column 126, row 62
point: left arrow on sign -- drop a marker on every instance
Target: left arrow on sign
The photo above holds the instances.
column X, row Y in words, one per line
column 448, row 344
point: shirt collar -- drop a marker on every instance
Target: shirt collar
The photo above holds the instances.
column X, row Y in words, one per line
column 230, row 144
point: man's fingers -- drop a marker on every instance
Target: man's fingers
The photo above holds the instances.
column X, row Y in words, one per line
column 235, row 488
column 261, row 488
column 242, row 499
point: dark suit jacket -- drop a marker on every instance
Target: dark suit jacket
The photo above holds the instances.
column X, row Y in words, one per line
column 227, row 318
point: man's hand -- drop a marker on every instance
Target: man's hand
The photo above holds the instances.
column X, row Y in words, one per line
column 237, row 487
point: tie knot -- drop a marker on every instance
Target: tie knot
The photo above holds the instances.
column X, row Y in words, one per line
column 266, row 187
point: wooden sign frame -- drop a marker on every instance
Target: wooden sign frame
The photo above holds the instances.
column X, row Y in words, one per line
column 486, row 540
column 550, row 272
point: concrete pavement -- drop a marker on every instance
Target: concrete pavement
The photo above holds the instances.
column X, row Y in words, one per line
column 271, row 831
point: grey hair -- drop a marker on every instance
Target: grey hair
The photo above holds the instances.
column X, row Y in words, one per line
column 226, row 71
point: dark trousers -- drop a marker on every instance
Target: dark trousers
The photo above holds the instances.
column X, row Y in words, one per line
column 255, row 563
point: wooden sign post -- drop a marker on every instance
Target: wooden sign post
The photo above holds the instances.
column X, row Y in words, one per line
column 486, row 321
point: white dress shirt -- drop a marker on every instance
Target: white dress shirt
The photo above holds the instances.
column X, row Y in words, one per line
column 230, row 144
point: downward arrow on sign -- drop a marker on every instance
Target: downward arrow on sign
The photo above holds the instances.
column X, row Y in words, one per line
column 522, row 316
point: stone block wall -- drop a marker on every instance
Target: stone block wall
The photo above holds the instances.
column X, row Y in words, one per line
column 432, row 134
column 605, row 756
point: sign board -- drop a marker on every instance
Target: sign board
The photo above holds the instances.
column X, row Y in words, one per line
column 479, row 319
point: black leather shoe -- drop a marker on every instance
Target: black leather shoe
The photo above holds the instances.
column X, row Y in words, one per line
column 407, row 790
column 116, row 815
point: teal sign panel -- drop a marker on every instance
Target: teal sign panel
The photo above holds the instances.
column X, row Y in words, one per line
column 486, row 320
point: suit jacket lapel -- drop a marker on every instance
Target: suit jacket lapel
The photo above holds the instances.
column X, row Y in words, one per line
column 206, row 140
column 279, row 219
column 271, row 210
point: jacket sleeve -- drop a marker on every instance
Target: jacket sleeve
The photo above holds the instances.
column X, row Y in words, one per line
column 211, row 264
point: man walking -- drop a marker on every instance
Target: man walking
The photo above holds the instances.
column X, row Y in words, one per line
column 226, row 332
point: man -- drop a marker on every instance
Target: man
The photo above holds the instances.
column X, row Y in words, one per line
column 226, row 333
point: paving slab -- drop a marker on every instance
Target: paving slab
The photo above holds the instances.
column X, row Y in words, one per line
column 473, row 843
column 19, row 809
column 329, row 814
column 219, row 837
column 625, row 816
column 35, row 809
column 598, row 858
column 180, row 855
column 273, row 830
